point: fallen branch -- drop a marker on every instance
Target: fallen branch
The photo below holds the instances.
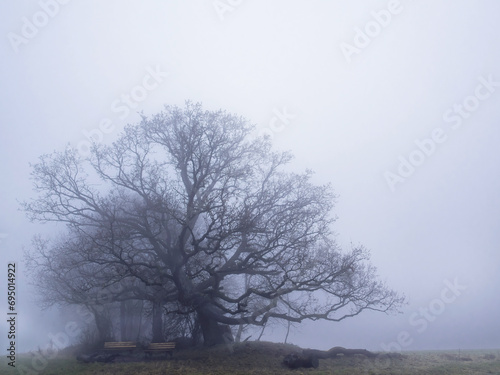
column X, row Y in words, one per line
column 310, row 357
column 97, row 357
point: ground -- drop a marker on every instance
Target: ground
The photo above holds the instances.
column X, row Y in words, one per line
column 254, row 358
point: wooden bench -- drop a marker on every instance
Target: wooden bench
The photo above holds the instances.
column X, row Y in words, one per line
column 119, row 345
column 160, row 347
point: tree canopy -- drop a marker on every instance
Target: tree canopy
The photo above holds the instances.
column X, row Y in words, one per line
column 198, row 216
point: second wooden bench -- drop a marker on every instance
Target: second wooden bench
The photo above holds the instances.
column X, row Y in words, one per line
column 160, row 347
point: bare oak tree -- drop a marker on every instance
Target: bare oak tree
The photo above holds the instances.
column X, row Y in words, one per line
column 192, row 207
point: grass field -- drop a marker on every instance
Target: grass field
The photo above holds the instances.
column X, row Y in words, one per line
column 263, row 358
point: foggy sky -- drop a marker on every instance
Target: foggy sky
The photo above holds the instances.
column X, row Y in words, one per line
column 404, row 123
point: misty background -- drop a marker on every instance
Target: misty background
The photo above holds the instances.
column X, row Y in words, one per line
column 429, row 68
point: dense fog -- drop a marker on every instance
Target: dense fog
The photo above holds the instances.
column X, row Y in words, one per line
column 395, row 103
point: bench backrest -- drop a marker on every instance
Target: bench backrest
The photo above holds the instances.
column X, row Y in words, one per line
column 161, row 345
column 119, row 345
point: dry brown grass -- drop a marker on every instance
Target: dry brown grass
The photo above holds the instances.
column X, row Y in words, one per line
column 252, row 358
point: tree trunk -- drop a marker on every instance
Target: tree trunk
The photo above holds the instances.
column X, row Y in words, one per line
column 137, row 321
column 123, row 321
column 103, row 323
column 158, row 322
column 130, row 319
column 261, row 332
column 212, row 331
column 238, row 333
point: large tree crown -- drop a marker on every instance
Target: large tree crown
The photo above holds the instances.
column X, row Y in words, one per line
column 206, row 217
